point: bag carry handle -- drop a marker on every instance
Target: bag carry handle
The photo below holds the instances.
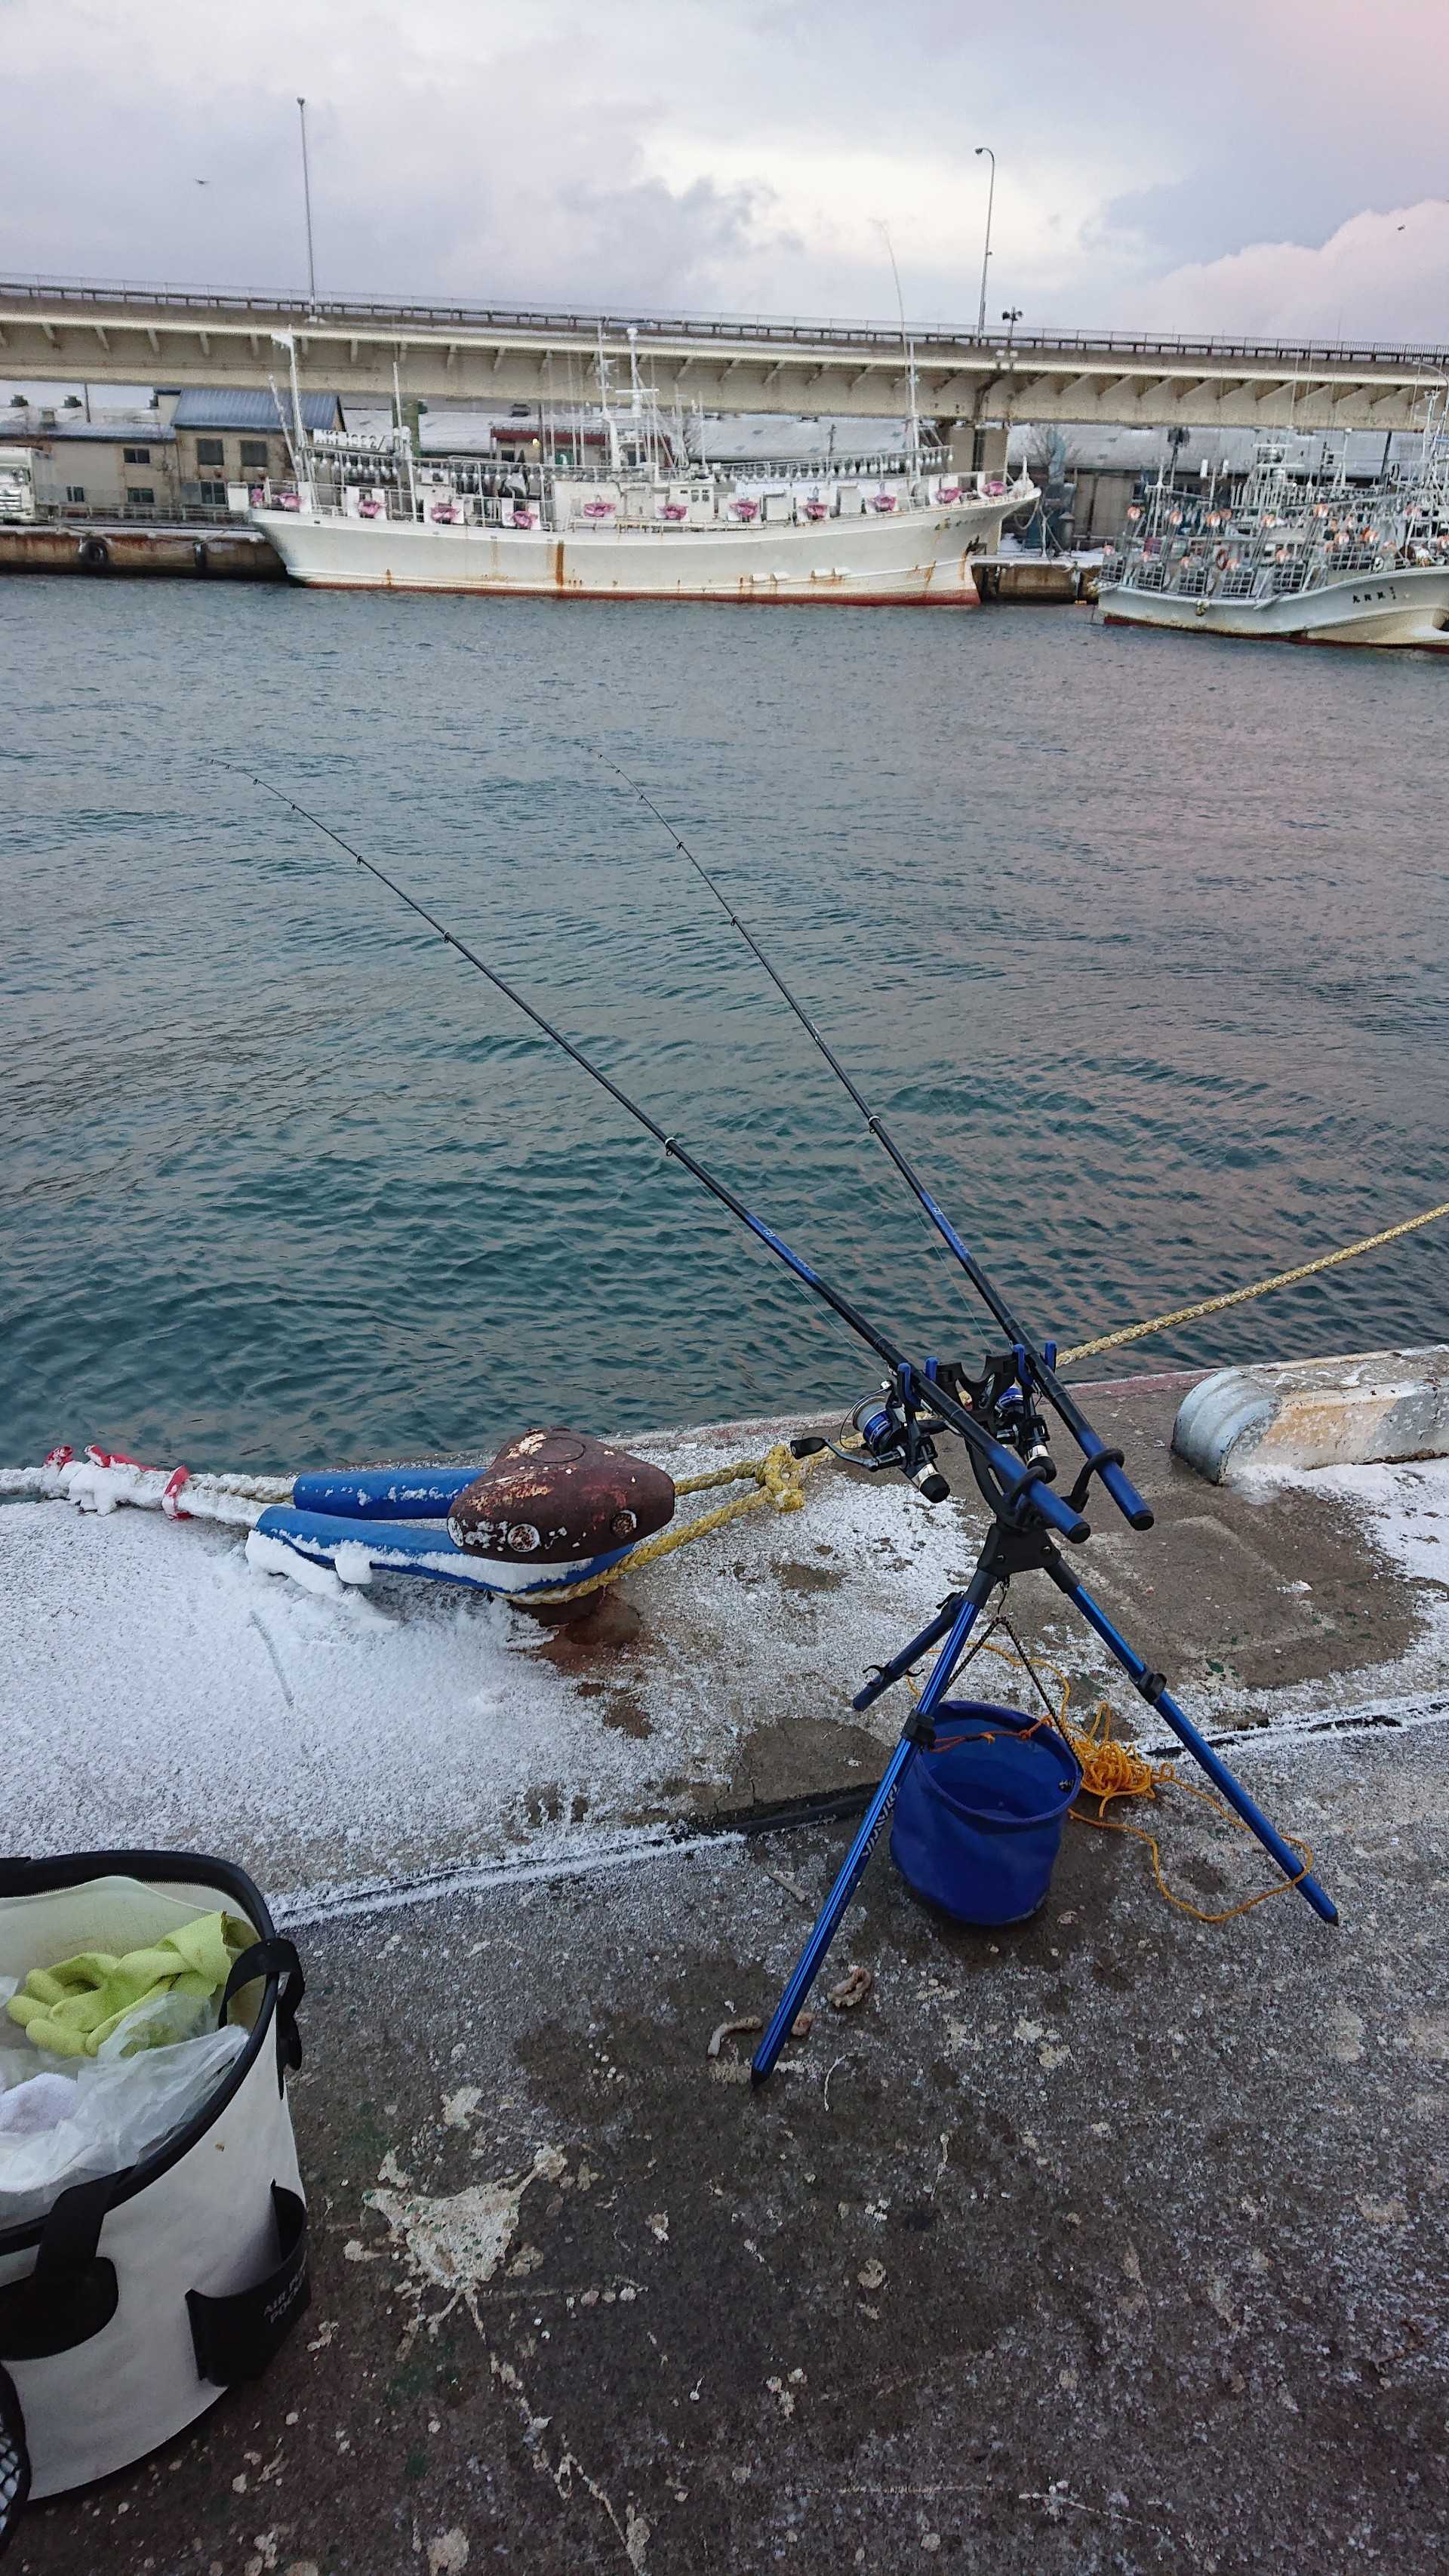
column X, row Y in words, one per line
column 14, row 2460
column 72, row 2292
column 275, row 1958
column 235, row 2337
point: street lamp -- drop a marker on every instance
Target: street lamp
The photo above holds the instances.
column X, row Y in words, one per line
column 307, row 202
column 1011, row 317
column 986, row 253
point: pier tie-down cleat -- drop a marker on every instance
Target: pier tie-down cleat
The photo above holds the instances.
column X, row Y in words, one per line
column 552, row 1509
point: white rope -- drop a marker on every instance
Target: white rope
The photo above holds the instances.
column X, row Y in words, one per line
column 100, row 1482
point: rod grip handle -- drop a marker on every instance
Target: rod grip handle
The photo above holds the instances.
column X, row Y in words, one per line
column 1126, row 1497
column 1057, row 1514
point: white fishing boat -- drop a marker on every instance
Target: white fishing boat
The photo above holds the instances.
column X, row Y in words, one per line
column 643, row 517
column 1319, row 561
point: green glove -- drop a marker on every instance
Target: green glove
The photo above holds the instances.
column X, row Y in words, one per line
column 73, row 2006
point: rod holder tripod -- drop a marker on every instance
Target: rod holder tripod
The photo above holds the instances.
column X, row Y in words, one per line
column 1007, row 1551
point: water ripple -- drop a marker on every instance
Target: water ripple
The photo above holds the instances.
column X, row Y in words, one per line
column 1143, row 951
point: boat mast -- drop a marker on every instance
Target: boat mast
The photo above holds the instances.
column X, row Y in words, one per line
column 404, row 440
column 611, row 426
column 908, row 348
column 294, row 433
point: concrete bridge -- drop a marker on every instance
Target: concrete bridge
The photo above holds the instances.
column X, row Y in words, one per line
column 477, row 354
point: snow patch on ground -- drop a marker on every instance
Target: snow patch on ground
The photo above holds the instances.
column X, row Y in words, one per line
column 1405, row 1505
column 159, row 1690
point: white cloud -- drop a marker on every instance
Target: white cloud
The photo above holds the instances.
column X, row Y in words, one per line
column 735, row 153
column 1380, row 276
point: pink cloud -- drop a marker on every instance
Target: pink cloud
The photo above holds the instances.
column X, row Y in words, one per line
column 1380, row 277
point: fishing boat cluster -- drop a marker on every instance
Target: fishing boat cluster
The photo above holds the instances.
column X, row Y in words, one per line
column 1309, row 559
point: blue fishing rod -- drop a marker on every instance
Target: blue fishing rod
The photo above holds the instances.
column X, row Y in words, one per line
column 1036, row 1369
column 1004, row 1400
column 912, row 1407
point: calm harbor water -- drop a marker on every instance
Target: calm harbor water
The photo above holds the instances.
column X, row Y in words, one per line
column 1139, row 941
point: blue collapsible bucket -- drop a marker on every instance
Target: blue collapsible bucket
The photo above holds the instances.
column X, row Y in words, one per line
column 979, row 1819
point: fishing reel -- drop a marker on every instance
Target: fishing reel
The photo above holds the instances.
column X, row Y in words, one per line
column 892, row 1433
column 1003, row 1399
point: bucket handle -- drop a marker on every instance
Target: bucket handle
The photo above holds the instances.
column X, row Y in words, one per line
column 1039, row 1730
column 71, row 2293
column 277, row 1959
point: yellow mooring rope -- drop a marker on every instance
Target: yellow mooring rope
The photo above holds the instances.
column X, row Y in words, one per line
column 1259, row 1288
column 778, row 1478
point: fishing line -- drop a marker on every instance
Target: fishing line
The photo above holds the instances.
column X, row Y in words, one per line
column 932, row 1232
column 1019, row 1481
column 1041, row 1361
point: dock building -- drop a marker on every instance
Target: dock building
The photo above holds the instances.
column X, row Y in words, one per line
column 174, row 459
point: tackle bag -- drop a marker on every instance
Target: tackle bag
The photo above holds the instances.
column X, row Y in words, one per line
column 137, row 2298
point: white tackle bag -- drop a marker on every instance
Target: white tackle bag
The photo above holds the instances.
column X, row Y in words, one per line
column 137, row 2299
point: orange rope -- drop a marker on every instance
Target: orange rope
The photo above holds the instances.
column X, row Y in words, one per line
column 1112, row 1769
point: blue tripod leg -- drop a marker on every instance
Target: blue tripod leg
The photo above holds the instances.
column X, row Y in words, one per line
column 889, row 1674
column 1155, row 1692
column 966, row 1608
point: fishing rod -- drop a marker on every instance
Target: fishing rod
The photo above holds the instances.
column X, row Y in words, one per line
column 1036, row 1365
column 898, row 1429
column 1006, row 1443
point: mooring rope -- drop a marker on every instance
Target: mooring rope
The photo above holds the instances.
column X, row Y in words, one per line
column 1258, row 1288
column 778, row 1478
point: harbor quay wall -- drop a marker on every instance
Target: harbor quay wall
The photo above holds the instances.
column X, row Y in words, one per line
column 101, row 548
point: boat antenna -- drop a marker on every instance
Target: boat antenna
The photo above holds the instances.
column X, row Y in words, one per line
column 907, row 345
column 1123, row 1493
column 1025, row 1500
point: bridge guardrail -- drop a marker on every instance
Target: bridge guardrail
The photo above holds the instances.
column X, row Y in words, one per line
column 296, row 311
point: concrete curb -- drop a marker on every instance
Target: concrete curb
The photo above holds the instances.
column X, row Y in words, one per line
column 1346, row 1412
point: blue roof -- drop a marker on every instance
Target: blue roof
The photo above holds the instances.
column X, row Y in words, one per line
column 249, row 407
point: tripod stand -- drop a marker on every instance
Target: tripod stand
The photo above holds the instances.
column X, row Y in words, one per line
column 997, row 1417
column 1007, row 1551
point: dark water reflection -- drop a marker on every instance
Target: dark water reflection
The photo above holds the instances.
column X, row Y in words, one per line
column 1140, row 941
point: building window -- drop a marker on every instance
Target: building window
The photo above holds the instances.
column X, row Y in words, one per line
column 254, row 452
column 215, row 492
column 210, row 451
column 141, row 497
column 75, row 491
column 136, row 455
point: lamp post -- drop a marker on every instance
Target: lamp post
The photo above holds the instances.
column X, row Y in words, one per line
column 986, row 253
column 307, row 202
column 1011, row 317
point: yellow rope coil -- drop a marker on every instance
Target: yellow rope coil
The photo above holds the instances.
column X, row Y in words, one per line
column 778, row 1478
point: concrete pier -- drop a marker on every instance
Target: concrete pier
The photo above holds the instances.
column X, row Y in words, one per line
column 1013, row 2264
column 103, row 548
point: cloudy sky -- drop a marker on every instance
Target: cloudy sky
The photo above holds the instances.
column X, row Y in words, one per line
column 1264, row 164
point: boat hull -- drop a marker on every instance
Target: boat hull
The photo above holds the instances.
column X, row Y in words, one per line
column 1407, row 610
column 911, row 557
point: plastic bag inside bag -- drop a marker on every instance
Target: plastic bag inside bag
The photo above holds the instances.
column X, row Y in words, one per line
column 153, row 2074
column 125, row 2107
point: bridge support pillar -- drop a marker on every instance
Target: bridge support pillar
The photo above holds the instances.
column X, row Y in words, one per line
column 978, row 447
